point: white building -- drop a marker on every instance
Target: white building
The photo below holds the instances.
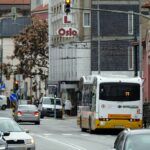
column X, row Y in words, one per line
column 69, row 56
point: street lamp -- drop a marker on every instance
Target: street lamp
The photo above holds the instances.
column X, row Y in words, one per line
column 1, row 51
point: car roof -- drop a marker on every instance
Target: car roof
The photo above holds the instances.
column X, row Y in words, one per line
column 137, row 131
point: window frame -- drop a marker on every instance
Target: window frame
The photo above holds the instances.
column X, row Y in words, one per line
column 130, row 23
column 131, row 58
column 89, row 18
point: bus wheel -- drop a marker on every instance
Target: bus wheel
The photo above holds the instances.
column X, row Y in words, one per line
column 90, row 126
column 82, row 129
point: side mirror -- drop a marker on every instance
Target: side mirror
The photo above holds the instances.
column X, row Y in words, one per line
column 27, row 131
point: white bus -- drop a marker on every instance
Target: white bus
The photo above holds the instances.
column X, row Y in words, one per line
column 110, row 102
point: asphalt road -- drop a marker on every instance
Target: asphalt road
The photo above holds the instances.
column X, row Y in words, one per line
column 55, row 134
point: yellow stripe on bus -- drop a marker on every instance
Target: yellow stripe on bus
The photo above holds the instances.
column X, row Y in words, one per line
column 123, row 116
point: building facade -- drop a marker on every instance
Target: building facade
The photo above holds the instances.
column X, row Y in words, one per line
column 9, row 27
column 112, row 33
column 69, row 57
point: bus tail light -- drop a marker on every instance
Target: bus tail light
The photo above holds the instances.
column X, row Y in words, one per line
column 103, row 119
column 131, row 120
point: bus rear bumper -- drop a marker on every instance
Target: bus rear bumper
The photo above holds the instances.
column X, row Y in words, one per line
column 120, row 124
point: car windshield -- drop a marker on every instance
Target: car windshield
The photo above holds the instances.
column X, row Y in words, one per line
column 51, row 101
column 9, row 125
column 27, row 107
column 138, row 142
column 58, row 101
column 47, row 100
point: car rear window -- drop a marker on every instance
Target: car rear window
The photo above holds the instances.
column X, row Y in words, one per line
column 27, row 107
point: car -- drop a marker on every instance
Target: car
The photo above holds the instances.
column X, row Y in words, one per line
column 27, row 113
column 47, row 107
column 137, row 139
column 3, row 143
column 15, row 136
column 3, row 102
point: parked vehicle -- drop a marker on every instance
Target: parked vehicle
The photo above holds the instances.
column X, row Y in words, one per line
column 27, row 113
column 3, row 102
column 17, row 138
column 3, row 143
column 137, row 139
column 48, row 106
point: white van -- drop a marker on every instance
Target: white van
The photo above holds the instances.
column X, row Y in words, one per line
column 3, row 102
column 47, row 107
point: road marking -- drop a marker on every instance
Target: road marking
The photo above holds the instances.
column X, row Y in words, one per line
column 76, row 147
column 47, row 134
column 85, row 134
column 66, row 134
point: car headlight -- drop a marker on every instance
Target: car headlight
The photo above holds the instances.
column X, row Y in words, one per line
column 2, row 146
column 29, row 141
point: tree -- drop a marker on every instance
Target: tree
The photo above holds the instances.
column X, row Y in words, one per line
column 31, row 49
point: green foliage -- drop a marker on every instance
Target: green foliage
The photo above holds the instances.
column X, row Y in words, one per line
column 31, row 49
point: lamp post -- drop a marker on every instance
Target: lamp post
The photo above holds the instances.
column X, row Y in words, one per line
column 1, row 51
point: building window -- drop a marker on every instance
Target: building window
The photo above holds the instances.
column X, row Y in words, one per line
column 130, row 23
column 86, row 19
column 131, row 58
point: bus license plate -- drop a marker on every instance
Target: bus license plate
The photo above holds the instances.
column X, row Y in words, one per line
column 119, row 127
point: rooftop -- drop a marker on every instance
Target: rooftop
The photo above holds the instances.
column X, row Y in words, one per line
column 6, row 2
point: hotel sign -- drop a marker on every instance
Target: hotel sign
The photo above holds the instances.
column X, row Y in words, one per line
column 67, row 32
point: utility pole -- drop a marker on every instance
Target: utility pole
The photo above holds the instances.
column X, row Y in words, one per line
column 49, row 37
column 1, row 21
column 140, row 42
column 99, row 46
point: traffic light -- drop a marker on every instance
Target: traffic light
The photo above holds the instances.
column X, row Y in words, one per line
column 67, row 6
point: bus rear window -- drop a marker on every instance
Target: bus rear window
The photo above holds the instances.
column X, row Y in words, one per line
column 119, row 91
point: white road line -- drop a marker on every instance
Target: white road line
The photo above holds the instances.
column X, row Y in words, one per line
column 66, row 134
column 76, row 147
column 47, row 134
column 85, row 134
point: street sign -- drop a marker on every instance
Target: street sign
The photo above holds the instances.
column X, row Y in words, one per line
column 13, row 97
column 67, row 32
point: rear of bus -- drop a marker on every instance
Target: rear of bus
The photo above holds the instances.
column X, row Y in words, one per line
column 120, row 104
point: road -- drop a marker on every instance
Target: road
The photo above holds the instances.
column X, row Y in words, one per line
column 55, row 134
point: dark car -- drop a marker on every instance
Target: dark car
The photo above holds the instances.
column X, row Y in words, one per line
column 138, row 139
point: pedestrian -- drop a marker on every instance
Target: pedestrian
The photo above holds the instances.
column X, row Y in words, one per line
column 14, row 102
column 68, row 107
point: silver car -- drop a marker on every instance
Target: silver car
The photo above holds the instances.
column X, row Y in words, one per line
column 27, row 113
column 17, row 139
column 137, row 139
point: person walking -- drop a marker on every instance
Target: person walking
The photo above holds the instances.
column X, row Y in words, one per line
column 68, row 107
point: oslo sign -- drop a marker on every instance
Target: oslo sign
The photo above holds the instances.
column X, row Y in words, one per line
column 67, row 32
